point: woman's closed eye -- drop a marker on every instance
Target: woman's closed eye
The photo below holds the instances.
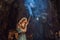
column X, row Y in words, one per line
column 25, row 22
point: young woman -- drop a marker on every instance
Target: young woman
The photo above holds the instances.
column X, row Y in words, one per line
column 22, row 28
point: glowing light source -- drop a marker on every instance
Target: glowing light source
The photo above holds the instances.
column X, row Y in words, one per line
column 37, row 18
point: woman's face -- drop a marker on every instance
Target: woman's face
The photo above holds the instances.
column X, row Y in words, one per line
column 24, row 23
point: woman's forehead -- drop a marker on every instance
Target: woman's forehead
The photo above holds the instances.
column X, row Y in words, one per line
column 23, row 20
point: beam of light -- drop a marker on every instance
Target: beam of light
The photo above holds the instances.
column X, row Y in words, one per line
column 30, row 11
column 30, row 4
column 36, row 7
